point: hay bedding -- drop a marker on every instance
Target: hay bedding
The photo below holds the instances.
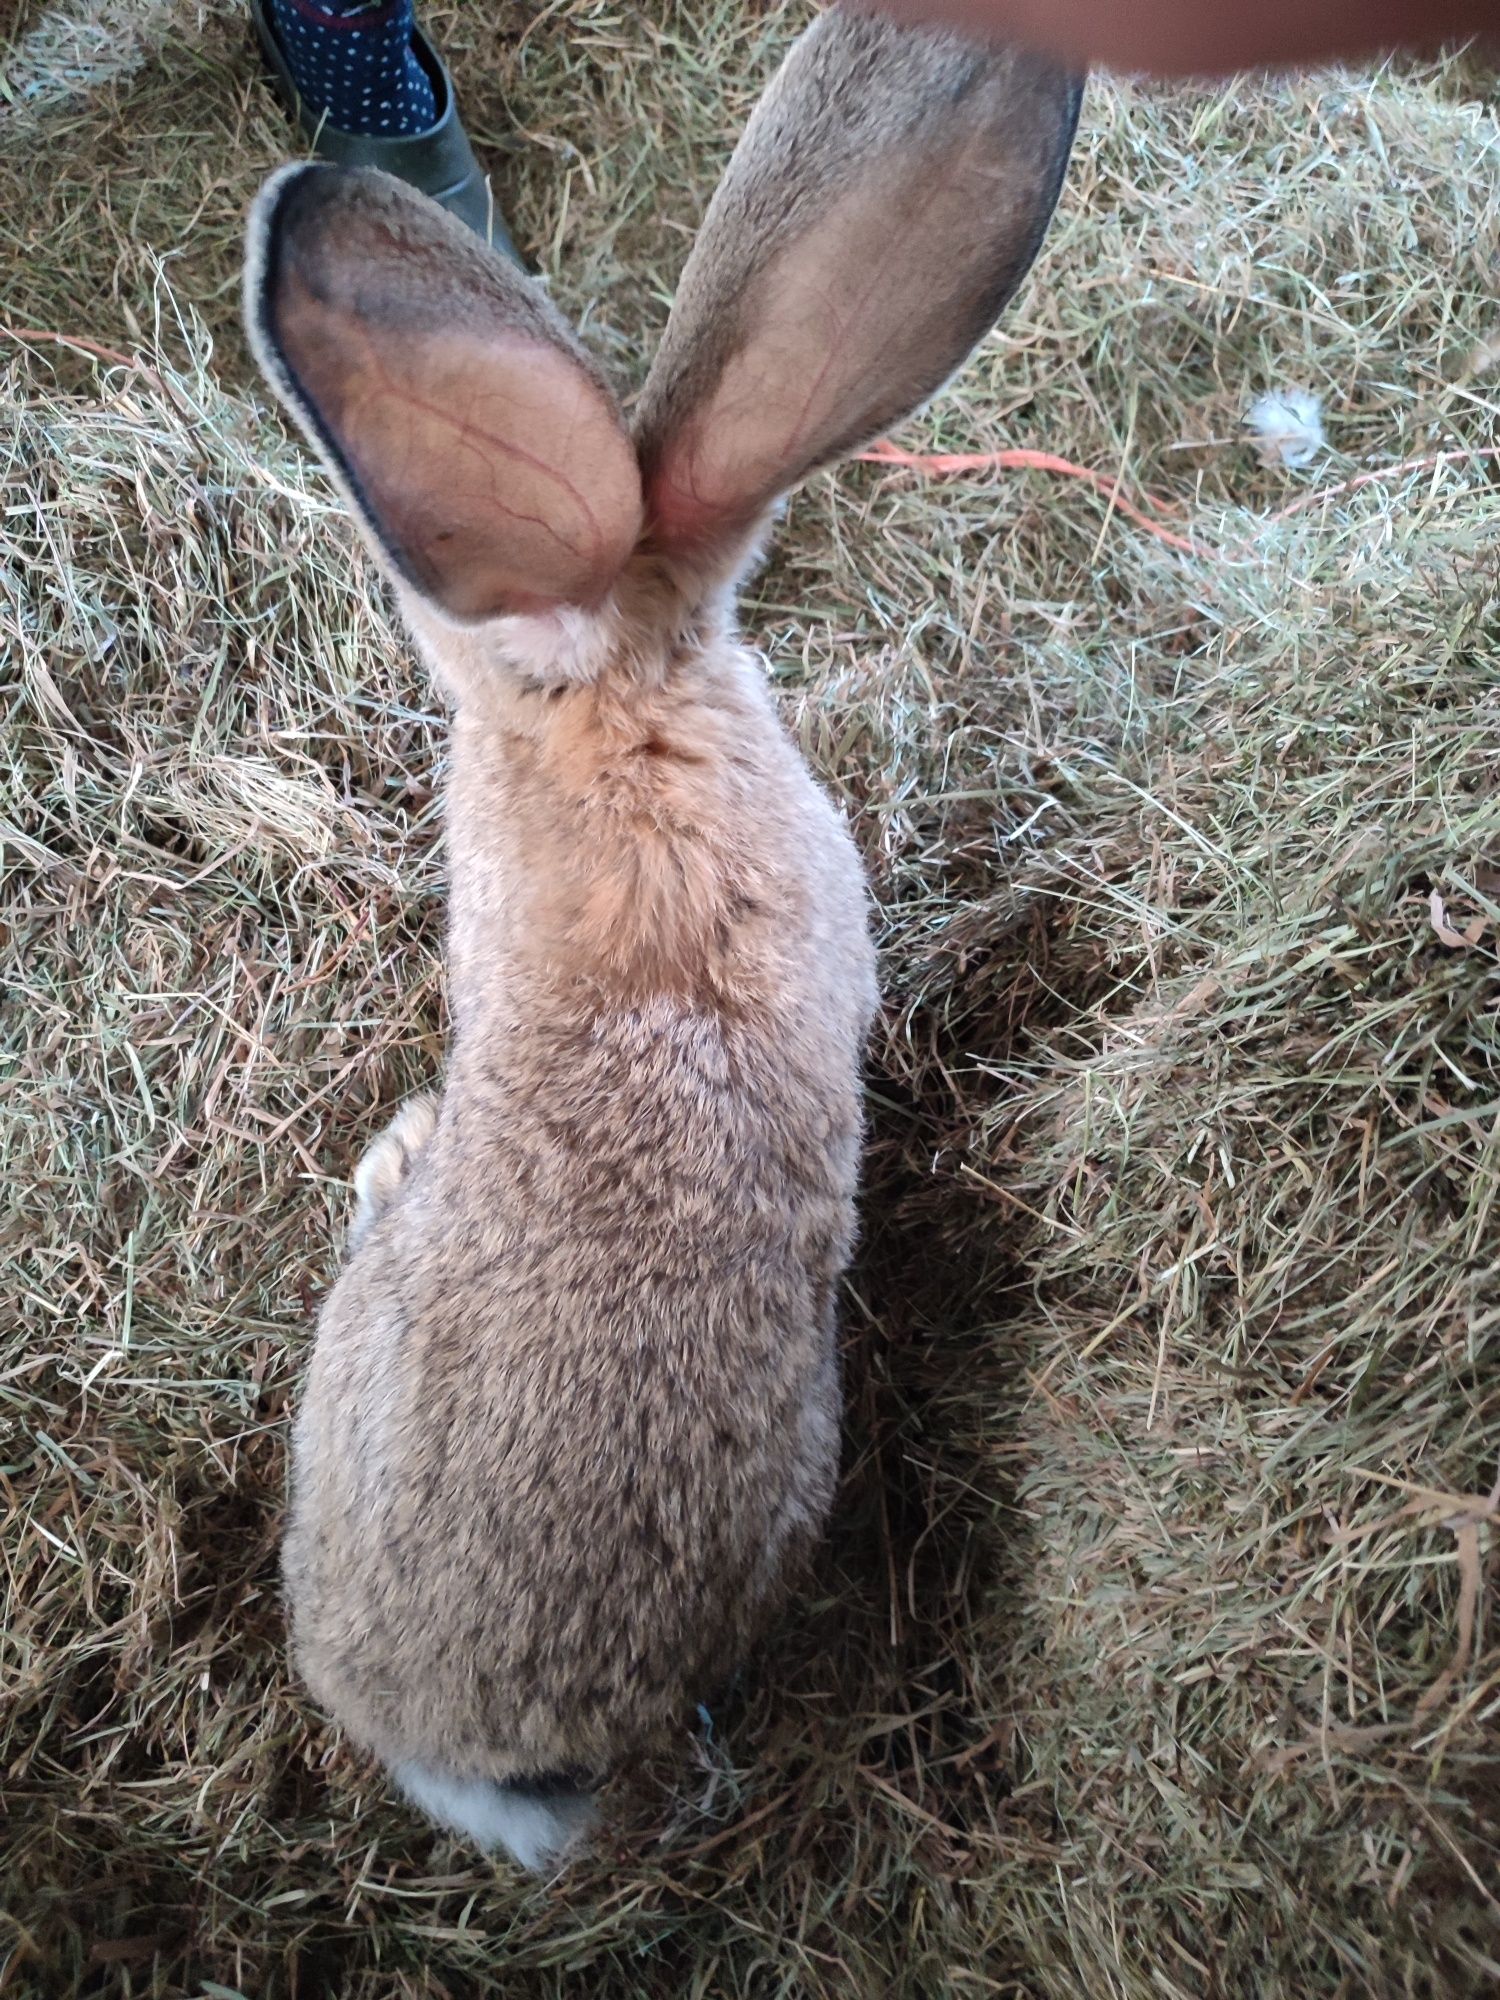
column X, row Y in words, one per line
column 1154, row 1652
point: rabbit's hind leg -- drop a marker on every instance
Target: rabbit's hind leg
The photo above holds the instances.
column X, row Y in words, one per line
column 387, row 1161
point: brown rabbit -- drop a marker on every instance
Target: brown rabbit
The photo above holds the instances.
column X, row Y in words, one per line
column 572, row 1412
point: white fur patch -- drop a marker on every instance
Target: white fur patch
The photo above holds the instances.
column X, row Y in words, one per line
column 387, row 1161
column 563, row 645
column 556, row 647
column 534, row 1831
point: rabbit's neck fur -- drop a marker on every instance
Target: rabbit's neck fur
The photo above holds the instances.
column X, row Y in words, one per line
column 622, row 810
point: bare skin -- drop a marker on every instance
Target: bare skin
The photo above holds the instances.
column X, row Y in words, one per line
column 1173, row 38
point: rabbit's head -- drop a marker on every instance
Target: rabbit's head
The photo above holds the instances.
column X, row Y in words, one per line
column 886, row 199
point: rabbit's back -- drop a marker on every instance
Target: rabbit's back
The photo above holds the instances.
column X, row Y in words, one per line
column 573, row 1405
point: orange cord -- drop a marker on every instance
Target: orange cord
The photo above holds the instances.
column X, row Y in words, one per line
column 938, row 463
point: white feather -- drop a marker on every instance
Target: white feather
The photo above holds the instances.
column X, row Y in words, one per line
column 1288, row 426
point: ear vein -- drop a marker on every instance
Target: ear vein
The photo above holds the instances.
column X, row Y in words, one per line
column 477, row 437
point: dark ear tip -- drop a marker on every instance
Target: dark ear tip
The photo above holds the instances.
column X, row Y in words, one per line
column 298, row 194
column 300, row 197
column 1057, row 84
column 295, row 213
column 283, row 216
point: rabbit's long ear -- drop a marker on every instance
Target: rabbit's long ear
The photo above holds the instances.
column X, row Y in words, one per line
column 886, row 199
column 480, row 448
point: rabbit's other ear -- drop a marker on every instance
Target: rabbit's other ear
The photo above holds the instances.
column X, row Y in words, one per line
column 886, row 199
column 479, row 447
